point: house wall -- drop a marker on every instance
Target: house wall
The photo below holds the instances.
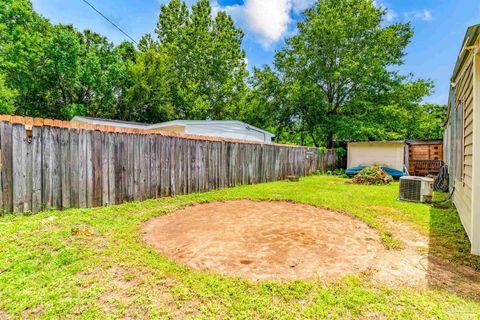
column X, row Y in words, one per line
column 388, row 154
column 476, row 158
column 232, row 131
column 463, row 148
column 461, row 140
column 174, row 128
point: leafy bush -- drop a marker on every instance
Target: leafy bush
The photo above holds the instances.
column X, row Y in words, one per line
column 342, row 152
column 335, row 172
column 372, row 175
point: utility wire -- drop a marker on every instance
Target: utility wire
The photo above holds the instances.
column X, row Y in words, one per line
column 113, row 24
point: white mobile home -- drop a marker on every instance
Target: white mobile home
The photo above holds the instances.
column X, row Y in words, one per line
column 216, row 128
column 462, row 136
column 230, row 129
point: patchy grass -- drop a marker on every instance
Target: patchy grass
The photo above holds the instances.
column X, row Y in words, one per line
column 92, row 263
column 448, row 239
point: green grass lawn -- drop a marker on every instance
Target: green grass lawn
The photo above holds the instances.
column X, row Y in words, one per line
column 47, row 271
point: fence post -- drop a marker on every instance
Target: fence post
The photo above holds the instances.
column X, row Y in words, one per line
column 61, row 165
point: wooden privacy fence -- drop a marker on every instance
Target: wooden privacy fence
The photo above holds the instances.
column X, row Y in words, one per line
column 49, row 164
column 330, row 159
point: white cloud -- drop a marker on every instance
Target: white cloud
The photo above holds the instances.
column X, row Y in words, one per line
column 268, row 21
column 424, row 15
column 390, row 14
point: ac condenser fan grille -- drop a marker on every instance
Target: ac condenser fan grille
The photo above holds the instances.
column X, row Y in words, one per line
column 410, row 190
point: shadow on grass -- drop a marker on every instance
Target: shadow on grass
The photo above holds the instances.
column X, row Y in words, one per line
column 451, row 266
column 447, row 236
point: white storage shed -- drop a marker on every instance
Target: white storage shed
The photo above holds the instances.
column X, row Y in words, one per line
column 389, row 154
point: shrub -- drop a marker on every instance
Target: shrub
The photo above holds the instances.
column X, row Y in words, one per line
column 372, row 175
column 335, row 172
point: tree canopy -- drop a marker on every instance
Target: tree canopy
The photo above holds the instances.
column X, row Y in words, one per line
column 339, row 76
column 195, row 68
column 203, row 64
column 335, row 79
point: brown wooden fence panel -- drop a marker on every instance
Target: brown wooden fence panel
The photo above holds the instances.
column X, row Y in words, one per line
column 47, row 167
column 82, row 169
column 330, row 160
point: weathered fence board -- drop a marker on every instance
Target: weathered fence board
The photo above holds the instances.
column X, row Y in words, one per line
column 82, row 169
column 74, row 169
column 36, row 169
column 19, row 167
column 48, row 167
column 330, row 160
column 56, row 177
column 65, row 164
column 104, row 170
column 6, row 147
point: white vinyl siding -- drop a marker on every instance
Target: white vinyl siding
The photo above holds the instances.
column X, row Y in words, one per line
column 460, row 135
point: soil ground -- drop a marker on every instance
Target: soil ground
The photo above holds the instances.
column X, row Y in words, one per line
column 265, row 240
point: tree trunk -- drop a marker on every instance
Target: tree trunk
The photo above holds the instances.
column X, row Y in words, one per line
column 330, row 140
column 315, row 141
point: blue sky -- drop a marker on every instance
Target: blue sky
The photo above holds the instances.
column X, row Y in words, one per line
column 439, row 27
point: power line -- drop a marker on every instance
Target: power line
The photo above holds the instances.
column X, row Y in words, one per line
column 113, row 24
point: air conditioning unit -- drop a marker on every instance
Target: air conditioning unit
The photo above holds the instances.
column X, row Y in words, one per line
column 416, row 189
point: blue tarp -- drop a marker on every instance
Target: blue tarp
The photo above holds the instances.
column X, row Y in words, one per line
column 396, row 174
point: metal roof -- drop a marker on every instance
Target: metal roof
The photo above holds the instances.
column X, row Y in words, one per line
column 435, row 141
column 132, row 124
column 207, row 122
column 470, row 38
column 378, row 141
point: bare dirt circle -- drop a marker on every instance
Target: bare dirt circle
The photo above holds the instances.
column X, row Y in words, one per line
column 264, row 240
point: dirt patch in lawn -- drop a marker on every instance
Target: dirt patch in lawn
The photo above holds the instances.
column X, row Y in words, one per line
column 413, row 265
column 265, row 240
column 287, row 241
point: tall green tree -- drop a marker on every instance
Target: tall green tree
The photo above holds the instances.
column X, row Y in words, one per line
column 22, row 42
column 149, row 97
column 339, row 71
column 57, row 71
column 427, row 122
column 83, row 74
column 209, row 69
column 7, row 97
